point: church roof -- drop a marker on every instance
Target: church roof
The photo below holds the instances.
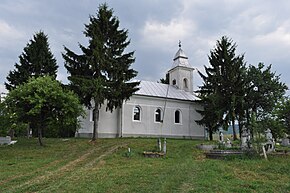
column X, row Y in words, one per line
column 180, row 59
column 154, row 89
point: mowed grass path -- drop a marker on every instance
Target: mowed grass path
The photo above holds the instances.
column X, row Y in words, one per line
column 78, row 165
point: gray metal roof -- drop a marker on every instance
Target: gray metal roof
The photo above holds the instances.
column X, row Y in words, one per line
column 154, row 89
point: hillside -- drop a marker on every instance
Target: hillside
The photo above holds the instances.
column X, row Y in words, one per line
column 77, row 165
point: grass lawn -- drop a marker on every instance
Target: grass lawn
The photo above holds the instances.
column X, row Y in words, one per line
column 78, row 165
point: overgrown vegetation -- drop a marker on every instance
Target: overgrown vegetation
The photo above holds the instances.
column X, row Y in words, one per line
column 77, row 165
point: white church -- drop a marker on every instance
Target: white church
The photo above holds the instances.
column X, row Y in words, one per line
column 155, row 110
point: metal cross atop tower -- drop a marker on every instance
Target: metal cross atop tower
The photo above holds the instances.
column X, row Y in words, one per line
column 179, row 44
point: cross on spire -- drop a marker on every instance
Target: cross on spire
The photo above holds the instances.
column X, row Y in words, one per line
column 179, row 44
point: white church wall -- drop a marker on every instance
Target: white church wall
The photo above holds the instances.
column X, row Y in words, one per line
column 109, row 123
column 147, row 125
column 199, row 131
column 86, row 125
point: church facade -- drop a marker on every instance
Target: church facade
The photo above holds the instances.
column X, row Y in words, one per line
column 155, row 110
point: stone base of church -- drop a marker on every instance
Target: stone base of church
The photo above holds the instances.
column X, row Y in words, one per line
column 163, row 136
column 110, row 135
column 101, row 135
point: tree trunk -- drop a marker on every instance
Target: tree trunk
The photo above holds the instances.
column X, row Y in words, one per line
column 248, row 118
column 40, row 135
column 240, row 128
column 210, row 133
column 96, row 112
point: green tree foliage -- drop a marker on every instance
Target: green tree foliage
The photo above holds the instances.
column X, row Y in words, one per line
column 264, row 89
column 282, row 115
column 222, row 88
column 211, row 117
column 3, row 120
column 102, row 72
column 43, row 102
column 233, row 92
column 166, row 80
column 36, row 60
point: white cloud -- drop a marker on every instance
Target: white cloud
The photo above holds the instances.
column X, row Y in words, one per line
column 280, row 35
column 161, row 34
column 8, row 32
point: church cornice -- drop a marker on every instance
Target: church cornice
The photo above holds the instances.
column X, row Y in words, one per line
column 181, row 67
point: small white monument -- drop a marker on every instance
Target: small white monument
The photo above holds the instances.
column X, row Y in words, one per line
column 270, row 144
column 245, row 139
column 228, row 143
column 221, row 137
column 6, row 141
column 159, row 144
column 285, row 142
column 164, row 146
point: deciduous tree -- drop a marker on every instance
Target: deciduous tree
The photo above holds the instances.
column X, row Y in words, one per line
column 43, row 101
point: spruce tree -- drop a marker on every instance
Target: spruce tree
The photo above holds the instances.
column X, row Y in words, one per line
column 102, row 71
column 223, row 85
column 36, row 60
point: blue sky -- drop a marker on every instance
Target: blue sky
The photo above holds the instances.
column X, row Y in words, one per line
column 261, row 30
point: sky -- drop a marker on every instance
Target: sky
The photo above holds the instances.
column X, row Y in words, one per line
column 260, row 28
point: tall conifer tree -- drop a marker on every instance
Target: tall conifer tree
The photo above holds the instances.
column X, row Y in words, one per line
column 36, row 60
column 223, row 85
column 102, row 72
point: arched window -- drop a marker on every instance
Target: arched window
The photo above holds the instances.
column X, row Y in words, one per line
column 174, row 82
column 185, row 83
column 137, row 113
column 158, row 115
column 177, row 117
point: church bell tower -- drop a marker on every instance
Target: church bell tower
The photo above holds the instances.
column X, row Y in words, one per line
column 181, row 73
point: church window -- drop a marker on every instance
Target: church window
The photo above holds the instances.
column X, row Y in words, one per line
column 177, row 117
column 137, row 113
column 158, row 114
column 185, row 83
column 174, row 82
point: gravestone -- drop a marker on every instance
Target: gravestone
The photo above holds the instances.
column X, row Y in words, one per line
column 221, row 137
column 245, row 139
column 270, row 144
column 285, row 142
column 164, row 146
column 228, row 143
column 5, row 140
column 159, row 144
column 207, row 147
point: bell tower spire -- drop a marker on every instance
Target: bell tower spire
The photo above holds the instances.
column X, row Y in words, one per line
column 181, row 73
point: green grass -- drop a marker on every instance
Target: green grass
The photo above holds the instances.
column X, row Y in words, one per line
column 78, row 165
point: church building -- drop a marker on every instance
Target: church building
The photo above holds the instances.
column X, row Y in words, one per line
column 155, row 110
